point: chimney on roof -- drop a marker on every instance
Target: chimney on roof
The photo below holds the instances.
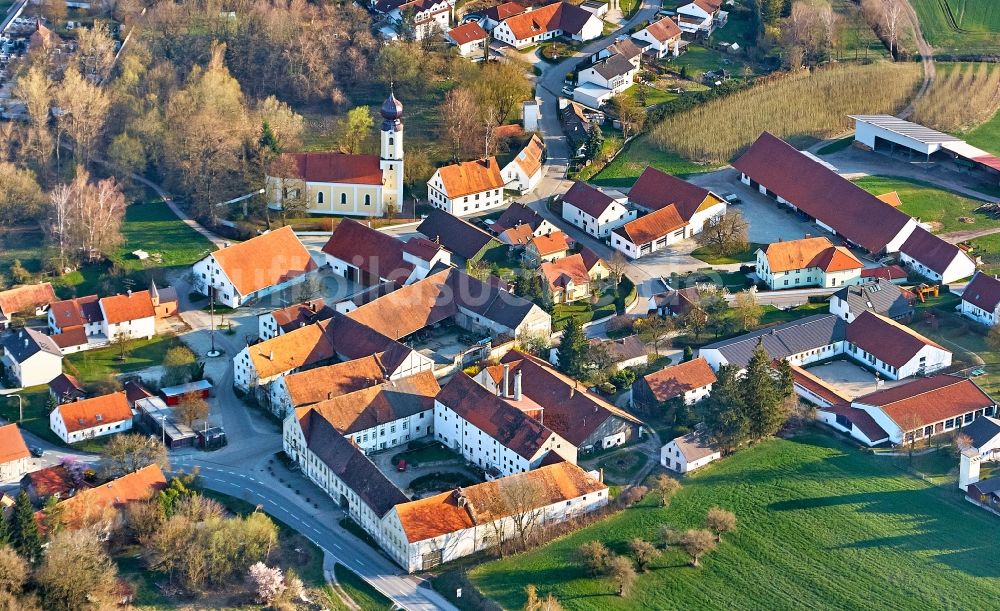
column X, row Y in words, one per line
column 129, row 292
column 270, row 355
column 506, row 380
column 517, row 385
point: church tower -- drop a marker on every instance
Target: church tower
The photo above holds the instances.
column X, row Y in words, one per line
column 391, row 153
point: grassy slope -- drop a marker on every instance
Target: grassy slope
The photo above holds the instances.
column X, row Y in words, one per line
column 626, row 168
column 363, row 595
column 960, row 26
column 986, row 136
column 94, row 365
column 930, row 203
column 822, row 526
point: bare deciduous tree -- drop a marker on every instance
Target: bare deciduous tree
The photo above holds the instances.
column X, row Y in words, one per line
column 892, row 10
column 459, row 115
column 524, row 500
column 644, row 553
column 130, row 452
column 77, row 573
column 725, row 234
column 697, row 542
column 622, row 572
column 95, row 52
column 192, row 408
column 594, row 556
column 747, row 308
column 720, row 521
column 666, row 487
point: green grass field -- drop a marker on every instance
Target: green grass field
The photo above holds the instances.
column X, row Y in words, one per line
column 148, row 226
column 626, row 168
column 36, row 412
column 931, row 204
column 856, row 39
column 986, row 136
column 960, row 26
column 750, row 254
column 94, row 365
column 821, row 526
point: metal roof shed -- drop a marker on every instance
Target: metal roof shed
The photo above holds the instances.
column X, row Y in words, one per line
column 870, row 129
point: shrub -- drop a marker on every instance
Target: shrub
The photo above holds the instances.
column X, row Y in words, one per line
column 631, row 495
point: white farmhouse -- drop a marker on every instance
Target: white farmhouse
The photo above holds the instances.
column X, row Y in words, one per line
column 524, row 171
column 131, row 315
column 497, row 434
column 425, row 533
column 469, row 187
column 370, row 257
column 662, row 38
column 689, row 452
column 916, row 410
column 470, row 38
column 14, row 456
column 934, row 258
column 381, row 416
column 612, row 70
column 90, row 418
column 807, row 262
column 981, row 299
column 701, row 17
column 253, row 269
column 548, row 22
column 31, row 358
column 690, row 382
column 594, row 211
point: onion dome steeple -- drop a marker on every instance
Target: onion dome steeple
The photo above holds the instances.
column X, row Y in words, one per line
column 391, row 111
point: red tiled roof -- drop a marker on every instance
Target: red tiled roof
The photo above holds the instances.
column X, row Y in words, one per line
column 557, row 16
column 76, row 312
column 890, row 341
column 572, row 412
column 371, row 406
column 810, row 252
column 315, row 385
column 122, row 308
column 72, row 336
column 930, row 250
column 28, row 296
column 468, row 177
column 513, row 428
column 552, row 243
column 65, row 386
column 467, row 32
column 97, row 411
column 559, row 273
column 329, row 167
column 821, row 193
column 591, row 259
column 676, row 380
column 376, row 253
column 817, row 386
column 504, row 10
column 983, row 292
column 12, row 446
column 51, row 480
column 664, row 29
column 442, row 514
column 530, row 157
column 928, row 400
column 140, row 485
column 652, row 226
column 520, row 235
column 889, row 272
column 589, row 199
column 709, row 6
column 422, row 248
column 655, row 190
column 264, row 260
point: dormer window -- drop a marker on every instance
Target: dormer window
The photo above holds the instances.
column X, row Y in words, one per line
column 99, row 418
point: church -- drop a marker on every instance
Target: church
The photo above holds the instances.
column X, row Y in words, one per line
column 340, row 183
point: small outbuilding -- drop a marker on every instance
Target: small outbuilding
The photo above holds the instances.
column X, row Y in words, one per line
column 173, row 395
column 689, row 452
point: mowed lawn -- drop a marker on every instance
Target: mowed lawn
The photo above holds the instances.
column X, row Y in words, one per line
column 629, row 164
column 931, row 204
column 960, row 26
column 821, row 526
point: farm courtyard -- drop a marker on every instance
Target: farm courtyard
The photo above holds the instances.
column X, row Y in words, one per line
column 822, row 525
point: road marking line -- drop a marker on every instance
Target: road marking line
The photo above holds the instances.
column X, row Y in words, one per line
column 338, row 547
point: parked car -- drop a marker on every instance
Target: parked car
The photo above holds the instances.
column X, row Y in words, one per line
column 732, row 199
column 568, row 91
column 37, row 452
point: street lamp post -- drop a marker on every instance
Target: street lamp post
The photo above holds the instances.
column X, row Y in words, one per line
column 20, row 407
column 211, row 313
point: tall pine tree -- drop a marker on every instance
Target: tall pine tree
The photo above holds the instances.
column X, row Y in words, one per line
column 762, row 395
column 4, row 529
column 24, row 533
column 573, row 349
column 724, row 412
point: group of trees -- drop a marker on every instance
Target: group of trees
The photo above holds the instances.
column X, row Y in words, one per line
column 470, row 113
column 598, row 560
column 726, row 234
column 748, row 407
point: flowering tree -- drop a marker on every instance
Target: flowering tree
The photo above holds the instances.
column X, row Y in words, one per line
column 269, row 583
